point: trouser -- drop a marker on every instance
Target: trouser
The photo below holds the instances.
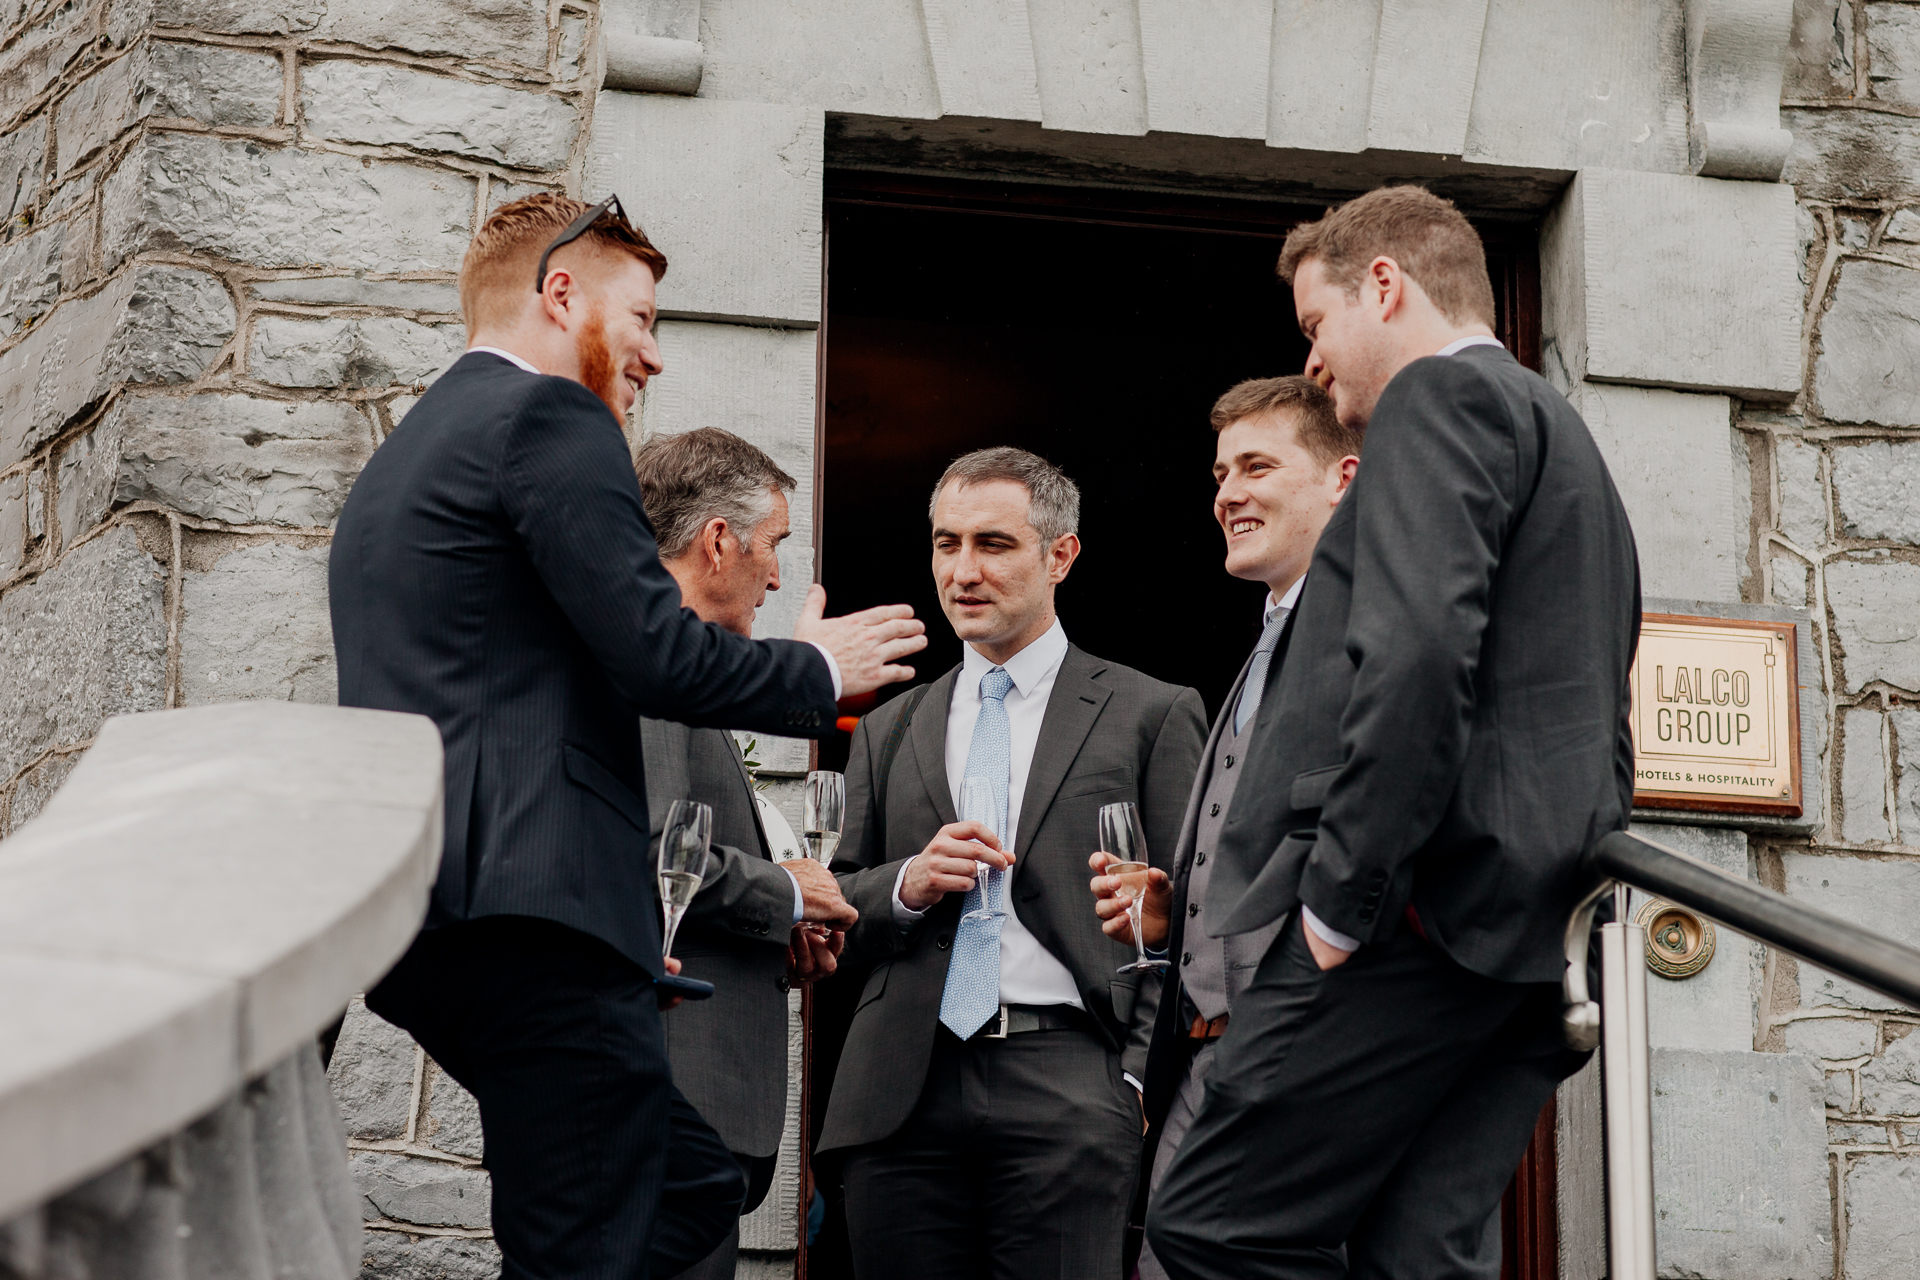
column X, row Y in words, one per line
column 557, row 1036
column 723, row 1261
column 1017, row 1163
column 1173, row 1131
column 1379, row 1107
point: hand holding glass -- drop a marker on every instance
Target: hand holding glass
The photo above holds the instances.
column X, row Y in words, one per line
column 977, row 804
column 683, row 862
column 1122, row 836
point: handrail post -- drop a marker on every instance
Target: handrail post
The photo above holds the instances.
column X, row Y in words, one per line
column 1628, row 1080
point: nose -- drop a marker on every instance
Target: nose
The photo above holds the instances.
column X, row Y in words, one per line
column 966, row 568
column 650, row 355
column 1316, row 367
column 773, row 578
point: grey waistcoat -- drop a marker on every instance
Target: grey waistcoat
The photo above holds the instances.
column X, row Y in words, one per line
column 1215, row 970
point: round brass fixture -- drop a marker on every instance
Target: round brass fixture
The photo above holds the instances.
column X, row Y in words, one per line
column 1679, row 942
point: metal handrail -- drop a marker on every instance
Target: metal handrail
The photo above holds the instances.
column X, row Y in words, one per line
column 1817, row 937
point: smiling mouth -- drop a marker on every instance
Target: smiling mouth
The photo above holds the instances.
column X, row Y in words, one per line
column 970, row 602
column 1239, row 527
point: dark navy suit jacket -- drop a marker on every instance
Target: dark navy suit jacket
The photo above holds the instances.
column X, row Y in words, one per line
column 493, row 569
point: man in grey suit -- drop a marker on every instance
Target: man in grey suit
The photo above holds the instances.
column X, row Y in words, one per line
column 1282, row 461
column 986, row 1107
column 719, row 508
column 1442, row 737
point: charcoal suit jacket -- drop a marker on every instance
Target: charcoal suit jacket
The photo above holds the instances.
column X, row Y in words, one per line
column 1446, row 721
column 729, row 1052
column 1109, row 734
column 493, row 569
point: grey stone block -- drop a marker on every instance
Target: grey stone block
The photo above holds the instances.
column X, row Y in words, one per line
column 1617, row 240
column 1713, row 1009
column 255, row 626
column 1839, row 1090
column 1740, row 1169
column 36, row 504
column 1832, row 1039
column 1088, row 67
column 264, row 17
column 1863, row 777
column 1858, row 1135
column 1851, row 156
column 1882, row 896
column 1671, row 459
column 1893, row 53
column 283, row 207
column 571, row 63
column 452, row 1120
column 212, row 85
column 510, row 30
column 1426, row 61
column 1903, row 226
column 33, row 791
column 732, row 196
column 1869, row 364
column 500, row 192
column 983, row 61
column 41, row 52
column 372, row 1075
column 427, row 1193
column 83, row 641
column 13, row 523
column 85, row 487
column 1820, row 57
column 1876, row 614
column 1906, row 735
column 392, row 1255
column 1803, row 498
column 76, row 249
column 153, row 324
column 381, row 103
column 1883, row 1217
column 357, row 291
column 30, row 276
column 1320, row 82
column 1890, row 1084
column 23, row 156
column 1206, row 77
column 375, row 351
column 1874, row 486
column 868, row 56
column 233, row 458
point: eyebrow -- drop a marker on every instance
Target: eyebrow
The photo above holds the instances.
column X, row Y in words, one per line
column 981, row 533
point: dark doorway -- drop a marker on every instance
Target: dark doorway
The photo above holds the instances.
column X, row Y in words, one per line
column 1096, row 328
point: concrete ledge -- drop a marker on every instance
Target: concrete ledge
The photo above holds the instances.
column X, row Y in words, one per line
column 208, row 889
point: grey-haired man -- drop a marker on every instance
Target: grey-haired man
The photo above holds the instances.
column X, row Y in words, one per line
column 986, row 1106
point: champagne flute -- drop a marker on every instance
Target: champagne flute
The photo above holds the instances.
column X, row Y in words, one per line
column 979, row 804
column 1122, row 836
column 825, row 816
column 683, row 862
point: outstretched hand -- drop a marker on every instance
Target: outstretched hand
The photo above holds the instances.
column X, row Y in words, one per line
column 867, row 645
column 1110, row 904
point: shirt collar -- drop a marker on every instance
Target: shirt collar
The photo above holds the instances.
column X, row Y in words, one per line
column 1027, row 667
column 1286, row 601
column 508, row 356
column 1461, row 344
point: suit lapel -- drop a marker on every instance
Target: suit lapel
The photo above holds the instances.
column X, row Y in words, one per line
column 753, row 796
column 927, row 735
column 1190, row 826
column 1076, row 702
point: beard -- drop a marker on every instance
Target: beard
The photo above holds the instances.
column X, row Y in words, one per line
column 597, row 373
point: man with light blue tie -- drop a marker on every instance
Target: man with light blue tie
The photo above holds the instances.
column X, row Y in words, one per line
column 986, row 1110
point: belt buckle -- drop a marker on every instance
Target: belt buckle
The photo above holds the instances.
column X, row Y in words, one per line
column 1001, row 1033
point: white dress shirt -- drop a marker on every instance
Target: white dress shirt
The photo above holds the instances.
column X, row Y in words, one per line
column 833, row 667
column 1029, row 973
column 1461, row 344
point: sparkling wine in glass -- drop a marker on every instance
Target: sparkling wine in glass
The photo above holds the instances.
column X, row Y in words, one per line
column 1122, row 836
column 826, row 814
column 979, row 804
column 683, row 862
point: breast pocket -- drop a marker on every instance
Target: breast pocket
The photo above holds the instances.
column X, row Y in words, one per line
column 1118, row 778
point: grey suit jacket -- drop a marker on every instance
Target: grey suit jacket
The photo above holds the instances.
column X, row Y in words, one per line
column 1109, row 734
column 1445, row 722
column 728, row 1053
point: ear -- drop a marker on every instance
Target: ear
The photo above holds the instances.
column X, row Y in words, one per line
column 560, row 296
column 1060, row 557
column 1347, row 466
column 713, row 535
column 1385, row 286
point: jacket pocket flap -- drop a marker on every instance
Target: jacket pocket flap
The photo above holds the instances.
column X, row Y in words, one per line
column 597, row 778
column 1310, row 787
column 1114, row 779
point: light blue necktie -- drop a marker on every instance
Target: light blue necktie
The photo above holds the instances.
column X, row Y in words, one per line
column 972, row 993
column 1256, row 685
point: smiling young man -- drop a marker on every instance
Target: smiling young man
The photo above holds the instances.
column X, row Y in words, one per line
column 1444, row 738
column 1282, row 461
column 984, row 1105
column 493, row 569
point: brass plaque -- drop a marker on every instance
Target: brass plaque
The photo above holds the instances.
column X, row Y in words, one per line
column 1716, row 716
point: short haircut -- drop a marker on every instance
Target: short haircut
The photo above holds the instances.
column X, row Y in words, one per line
column 503, row 255
column 1315, row 425
column 1053, row 501
column 690, row 478
column 1431, row 240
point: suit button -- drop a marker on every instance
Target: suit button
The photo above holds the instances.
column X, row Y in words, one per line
column 1186, row 957
column 1378, row 876
column 781, row 982
column 1200, row 858
column 1214, row 812
column 1193, row 908
column 1365, row 914
column 1229, row 762
column 944, row 941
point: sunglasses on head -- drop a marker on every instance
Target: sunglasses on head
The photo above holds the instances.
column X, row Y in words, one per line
column 577, row 228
